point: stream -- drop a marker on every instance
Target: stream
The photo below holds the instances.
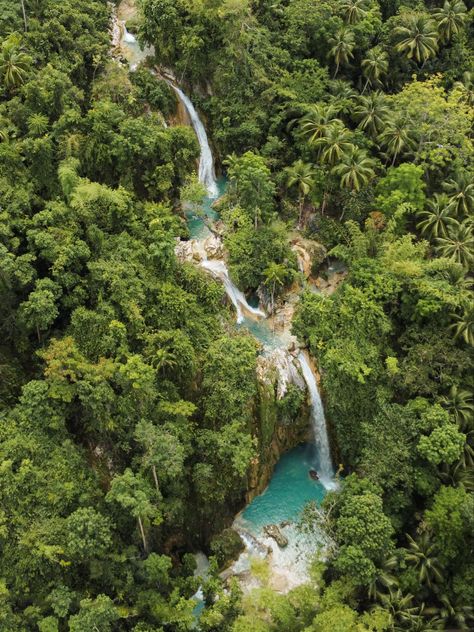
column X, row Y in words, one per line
column 291, row 487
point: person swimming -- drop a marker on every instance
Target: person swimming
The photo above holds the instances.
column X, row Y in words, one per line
column 314, row 475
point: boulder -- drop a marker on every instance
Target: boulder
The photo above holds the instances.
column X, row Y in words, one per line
column 273, row 531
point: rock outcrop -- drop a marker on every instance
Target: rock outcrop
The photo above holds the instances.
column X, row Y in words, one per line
column 199, row 249
column 309, row 254
column 274, row 532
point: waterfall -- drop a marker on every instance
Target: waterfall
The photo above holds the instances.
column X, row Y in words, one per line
column 318, row 421
column 128, row 37
column 206, row 161
column 219, row 270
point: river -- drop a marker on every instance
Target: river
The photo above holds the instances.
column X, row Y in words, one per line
column 291, row 487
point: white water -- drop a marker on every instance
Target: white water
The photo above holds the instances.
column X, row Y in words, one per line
column 206, row 160
column 219, row 270
column 318, row 420
column 128, row 37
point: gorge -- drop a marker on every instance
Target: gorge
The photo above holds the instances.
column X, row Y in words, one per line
column 290, row 486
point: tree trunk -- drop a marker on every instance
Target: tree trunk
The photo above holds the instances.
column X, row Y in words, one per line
column 300, row 216
column 153, row 468
column 142, row 532
column 336, row 71
column 24, row 14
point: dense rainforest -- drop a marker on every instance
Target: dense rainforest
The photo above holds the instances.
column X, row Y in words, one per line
column 129, row 403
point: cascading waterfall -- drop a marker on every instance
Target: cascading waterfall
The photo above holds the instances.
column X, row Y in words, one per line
column 206, row 160
column 219, row 269
column 318, row 420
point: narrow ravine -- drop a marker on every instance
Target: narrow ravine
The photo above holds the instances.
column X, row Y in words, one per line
column 290, row 487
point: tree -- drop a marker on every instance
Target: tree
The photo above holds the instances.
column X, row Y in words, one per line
column 314, row 123
column 464, row 325
column 460, row 404
column 15, row 64
column 450, row 18
column 374, row 67
column 335, row 142
column 88, row 534
column 40, row 310
column 458, row 244
column 401, row 610
column 133, row 493
column 437, row 219
column 354, row 10
column 342, row 45
column 421, row 553
column 402, row 185
column 356, row 169
column 300, row 176
column 460, row 191
column 94, row 614
column 448, row 523
column 372, row 113
column 383, row 579
column 417, row 38
column 274, row 275
column 252, row 185
column 162, row 451
column 397, row 137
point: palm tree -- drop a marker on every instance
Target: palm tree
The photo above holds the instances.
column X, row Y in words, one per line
column 342, row 46
column 458, row 474
column 460, row 404
column 274, row 275
column 356, row 169
column 464, row 325
column 438, row 218
column 458, row 245
column 314, row 122
column 400, row 608
column 372, row 112
column 14, row 63
column 354, row 10
column 466, row 88
column 335, row 143
column 374, row 66
column 417, row 38
column 461, row 193
column 456, row 612
column 397, row 137
column 450, row 18
column 421, row 555
column 300, row 175
column 383, row 580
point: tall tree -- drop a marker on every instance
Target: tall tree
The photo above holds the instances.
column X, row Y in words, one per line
column 355, row 168
column 342, row 45
column 450, row 18
column 417, row 38
column 437, row 218
column 372, row 112
column 300, row 176
column 374, row 67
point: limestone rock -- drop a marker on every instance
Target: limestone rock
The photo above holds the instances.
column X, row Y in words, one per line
column 273, row 531
column 279, row 366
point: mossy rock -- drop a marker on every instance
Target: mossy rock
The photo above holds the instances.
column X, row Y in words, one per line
column 226, row 546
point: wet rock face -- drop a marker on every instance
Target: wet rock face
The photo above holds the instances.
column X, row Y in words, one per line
column 274, row 532
column 309, row 254
column 278, row 368
column 277, row 374
column 196, row 250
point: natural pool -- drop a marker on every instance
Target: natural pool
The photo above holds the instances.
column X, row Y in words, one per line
column 196, row 224
column 289, row 490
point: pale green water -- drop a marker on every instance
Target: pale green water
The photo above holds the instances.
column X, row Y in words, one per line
column 197, row 227
column 289, row 490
